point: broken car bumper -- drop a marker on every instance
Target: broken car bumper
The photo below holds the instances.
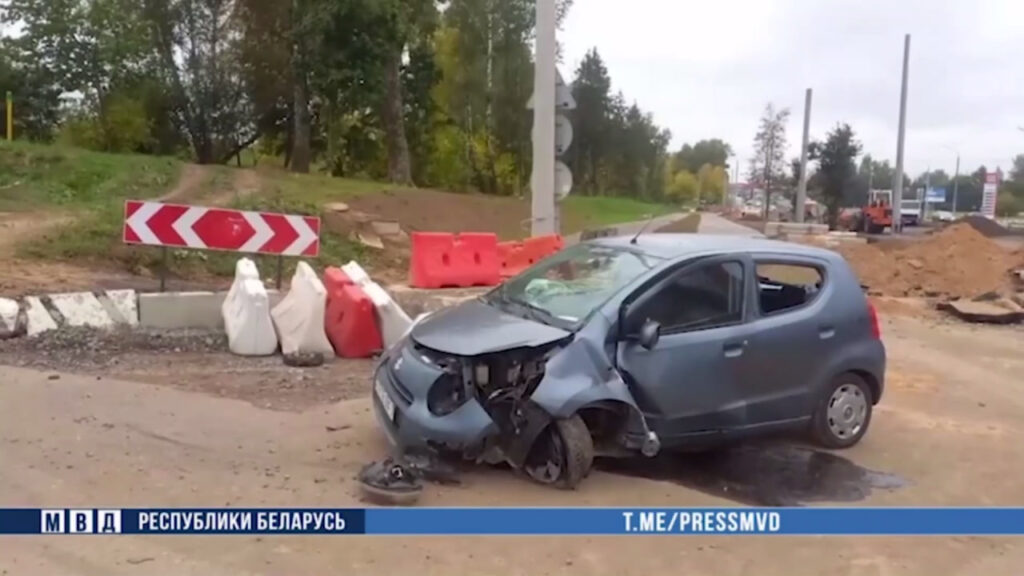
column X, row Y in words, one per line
column 401, row 409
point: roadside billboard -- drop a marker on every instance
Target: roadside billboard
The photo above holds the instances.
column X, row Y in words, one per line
column 989, row 193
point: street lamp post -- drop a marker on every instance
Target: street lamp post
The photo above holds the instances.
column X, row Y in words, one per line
column 956, row 176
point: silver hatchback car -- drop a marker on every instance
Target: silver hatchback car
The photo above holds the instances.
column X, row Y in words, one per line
column 620, row 346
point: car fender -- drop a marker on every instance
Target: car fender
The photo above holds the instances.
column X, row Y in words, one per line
column 577, row 376
column 867, row 356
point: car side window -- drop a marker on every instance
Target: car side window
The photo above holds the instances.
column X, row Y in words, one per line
column 697, row 298
column 785, row 286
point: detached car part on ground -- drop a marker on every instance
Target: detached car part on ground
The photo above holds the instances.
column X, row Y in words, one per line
column 616, row 347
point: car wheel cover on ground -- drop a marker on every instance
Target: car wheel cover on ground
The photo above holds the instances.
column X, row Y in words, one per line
column 846, row 411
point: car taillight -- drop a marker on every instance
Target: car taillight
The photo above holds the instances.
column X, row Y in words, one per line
column 876, row 328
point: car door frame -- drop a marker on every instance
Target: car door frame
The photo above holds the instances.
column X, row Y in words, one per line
column 741, row 328
column 819, row 319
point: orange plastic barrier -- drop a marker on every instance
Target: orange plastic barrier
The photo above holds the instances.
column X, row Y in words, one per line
column 350, row 320
column 510, row 258
column 441, row 260
column 518, row 256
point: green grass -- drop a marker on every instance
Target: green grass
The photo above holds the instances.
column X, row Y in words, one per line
column 34, row 177
column 583, row 212
column 94, row 186
column 98, row 237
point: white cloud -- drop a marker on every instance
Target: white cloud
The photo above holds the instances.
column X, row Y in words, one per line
column 706, row 69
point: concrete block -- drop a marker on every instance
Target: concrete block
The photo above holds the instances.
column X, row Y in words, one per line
column 124, row 305
column 174, row 310
column 8, row 314
column 82, row 309
column 982, row 312
column 416, row 301
column 39, row 319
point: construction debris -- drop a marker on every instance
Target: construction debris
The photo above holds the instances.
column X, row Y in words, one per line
column 956, row 262
column 986, row 312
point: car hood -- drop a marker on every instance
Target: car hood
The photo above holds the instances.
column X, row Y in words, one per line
column 474, row 327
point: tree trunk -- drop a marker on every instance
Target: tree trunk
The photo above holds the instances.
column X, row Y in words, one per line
column 300, row 149
column 301, row 131
column 399, row 165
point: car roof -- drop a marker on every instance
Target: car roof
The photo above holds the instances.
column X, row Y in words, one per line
column 673, row 246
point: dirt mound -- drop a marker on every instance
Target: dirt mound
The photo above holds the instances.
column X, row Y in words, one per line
column 956, row 261
column 986, row 226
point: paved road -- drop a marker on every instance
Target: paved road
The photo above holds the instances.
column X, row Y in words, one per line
column 715, row 224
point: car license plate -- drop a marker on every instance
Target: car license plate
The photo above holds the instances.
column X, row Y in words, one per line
column 385, row 399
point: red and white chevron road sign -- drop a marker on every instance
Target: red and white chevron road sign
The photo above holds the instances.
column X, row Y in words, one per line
column 181, row 226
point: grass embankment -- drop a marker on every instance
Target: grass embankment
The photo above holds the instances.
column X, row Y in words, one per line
column 583, row 212
column 92, row 187
column 55, row 178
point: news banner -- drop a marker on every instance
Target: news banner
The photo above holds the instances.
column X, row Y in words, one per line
column 515, row 521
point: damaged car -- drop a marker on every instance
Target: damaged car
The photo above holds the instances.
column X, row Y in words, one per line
column 624, row 346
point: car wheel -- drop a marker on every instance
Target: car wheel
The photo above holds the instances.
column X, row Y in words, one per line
column 562, row 455
column 843, row 414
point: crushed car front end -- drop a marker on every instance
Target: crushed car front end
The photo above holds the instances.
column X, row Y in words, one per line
column 492, row 377
column 461, row 402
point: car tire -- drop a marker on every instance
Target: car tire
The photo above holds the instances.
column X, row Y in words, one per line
column 843, row 413
column 569, row 446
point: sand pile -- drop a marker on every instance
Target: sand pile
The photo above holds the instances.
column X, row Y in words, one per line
column 957, row 261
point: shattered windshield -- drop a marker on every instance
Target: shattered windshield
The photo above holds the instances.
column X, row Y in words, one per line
column 564, row 289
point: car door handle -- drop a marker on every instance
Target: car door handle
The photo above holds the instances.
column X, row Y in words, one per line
column 826, row 332
column 734, row 349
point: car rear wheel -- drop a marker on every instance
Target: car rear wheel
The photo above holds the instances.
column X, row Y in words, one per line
column 843, row 414
column 563, row 454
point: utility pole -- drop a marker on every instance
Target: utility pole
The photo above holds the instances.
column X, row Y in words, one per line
column 897, row 216
column 768, row 179
column 801, row 187
column 956, row 183
column 543, row 178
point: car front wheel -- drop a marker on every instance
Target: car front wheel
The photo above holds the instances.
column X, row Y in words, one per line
column 843, row 414
column 562, row 455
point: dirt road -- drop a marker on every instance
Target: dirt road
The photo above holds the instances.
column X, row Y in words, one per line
column 948, row 433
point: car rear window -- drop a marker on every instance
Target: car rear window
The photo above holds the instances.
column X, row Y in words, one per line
column 786, row 286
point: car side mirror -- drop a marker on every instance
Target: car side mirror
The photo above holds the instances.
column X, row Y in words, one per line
column 650, row 333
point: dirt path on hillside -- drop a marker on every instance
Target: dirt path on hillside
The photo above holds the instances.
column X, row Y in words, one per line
column 948, row 429
column 244, row 183
column 189, row 185
column 20, row 276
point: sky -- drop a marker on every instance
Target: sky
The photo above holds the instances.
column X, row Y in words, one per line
column 707, row 68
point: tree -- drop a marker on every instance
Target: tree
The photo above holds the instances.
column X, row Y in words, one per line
column 836, row 168
column 682, row 188
column 711, row 182
column 714, row 152
column 36, row 95
column 591, row 120
column 1017, row 172
column 768, row 166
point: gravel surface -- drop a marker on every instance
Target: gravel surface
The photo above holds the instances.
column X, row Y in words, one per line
column 194, row 360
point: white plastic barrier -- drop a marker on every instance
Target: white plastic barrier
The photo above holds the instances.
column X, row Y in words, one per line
column 8, row 314
column 246, row 312
column 393, row 321
column 299, row 316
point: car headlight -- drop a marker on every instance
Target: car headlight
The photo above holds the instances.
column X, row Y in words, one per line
column 446, row 394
